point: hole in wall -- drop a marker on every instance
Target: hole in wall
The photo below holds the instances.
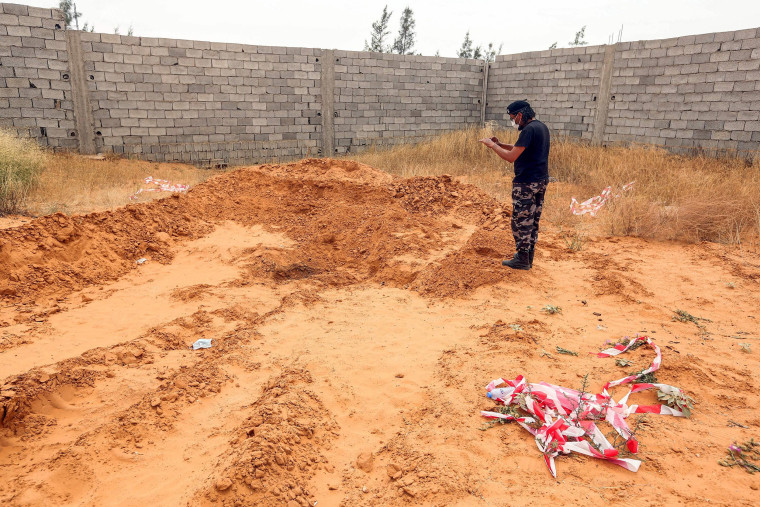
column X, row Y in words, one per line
column 31, row 85
column 98, row 133
column 613, row 97
column 43, row 131
column 478, row 101
column 57, row 103
column 594, row 98
column 317, row 59
column 92, row 78
column 65, row 77
column 579, row 59
column 72, row 133
column 337, row 59
column 57, row 26
column 319, row 114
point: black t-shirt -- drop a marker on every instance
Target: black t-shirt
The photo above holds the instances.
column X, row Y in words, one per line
column 533, row 163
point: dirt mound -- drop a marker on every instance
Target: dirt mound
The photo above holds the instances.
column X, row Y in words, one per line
column 277, row 449
column 348, row 221
column 325, row 169
column 56, row 254
column 440, row 195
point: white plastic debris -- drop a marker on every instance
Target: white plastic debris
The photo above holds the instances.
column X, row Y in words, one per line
column 141, row 260
column 203, row 343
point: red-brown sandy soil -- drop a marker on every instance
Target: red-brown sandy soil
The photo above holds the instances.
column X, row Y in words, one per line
column 356, row 318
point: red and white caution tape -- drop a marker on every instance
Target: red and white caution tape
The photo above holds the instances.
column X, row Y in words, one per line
column 156, row 185
column 593, row 205
column 564, row 420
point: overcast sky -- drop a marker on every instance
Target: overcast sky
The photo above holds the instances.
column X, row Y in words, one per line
column 441, row 25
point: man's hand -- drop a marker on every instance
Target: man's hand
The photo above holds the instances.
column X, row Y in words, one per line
column 505, row 146
column 506, row 151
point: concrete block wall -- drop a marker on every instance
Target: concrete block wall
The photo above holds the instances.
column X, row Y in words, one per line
column 213, row 103
column 561, row 84
column 202, row 102
column 35, row 82
column 698, row 91
column 389, row 99
column 684, row 93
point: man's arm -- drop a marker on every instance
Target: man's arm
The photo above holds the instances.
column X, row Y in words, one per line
column 509, row 154
column 505, row 146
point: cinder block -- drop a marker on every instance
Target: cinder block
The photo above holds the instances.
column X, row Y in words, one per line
column 751, row 64
column 734, row 125
column 30, row 21
column 40, row 12
column 743, row 54
column 745, row 34
column 9, row 19
column 110, row 37
column 707, row 37
column 19, row 10
column 32, row 42
column 19, row 31
column 22, row 52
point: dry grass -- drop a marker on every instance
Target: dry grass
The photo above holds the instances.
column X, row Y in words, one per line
column 21, row 162
column 689, row 198
column 75, row 184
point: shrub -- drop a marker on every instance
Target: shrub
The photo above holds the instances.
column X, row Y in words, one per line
column 21, row 163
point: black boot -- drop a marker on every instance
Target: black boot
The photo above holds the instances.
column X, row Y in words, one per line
column 531, row 252
column 521, row 260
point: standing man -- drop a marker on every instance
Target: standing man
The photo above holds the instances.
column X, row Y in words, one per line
column 530, row 154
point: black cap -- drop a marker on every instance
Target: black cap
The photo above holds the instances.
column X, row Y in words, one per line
column 517, row 106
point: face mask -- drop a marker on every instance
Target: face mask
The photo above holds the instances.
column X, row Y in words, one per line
column 515, row 125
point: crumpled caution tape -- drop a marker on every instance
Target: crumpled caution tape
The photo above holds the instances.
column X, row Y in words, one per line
column 564, row 420
column 593, row 205
column 156, row 185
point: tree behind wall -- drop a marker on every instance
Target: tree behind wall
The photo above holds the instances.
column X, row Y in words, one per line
column 579, row 36
column 379, row 33
column 404, row 43
column 490, row 53
column 69, row 15
column 466, row 50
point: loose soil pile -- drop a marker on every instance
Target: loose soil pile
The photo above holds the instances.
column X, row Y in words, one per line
column 356, row 318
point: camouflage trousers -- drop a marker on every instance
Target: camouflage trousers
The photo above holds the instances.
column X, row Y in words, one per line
column 527, row 205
